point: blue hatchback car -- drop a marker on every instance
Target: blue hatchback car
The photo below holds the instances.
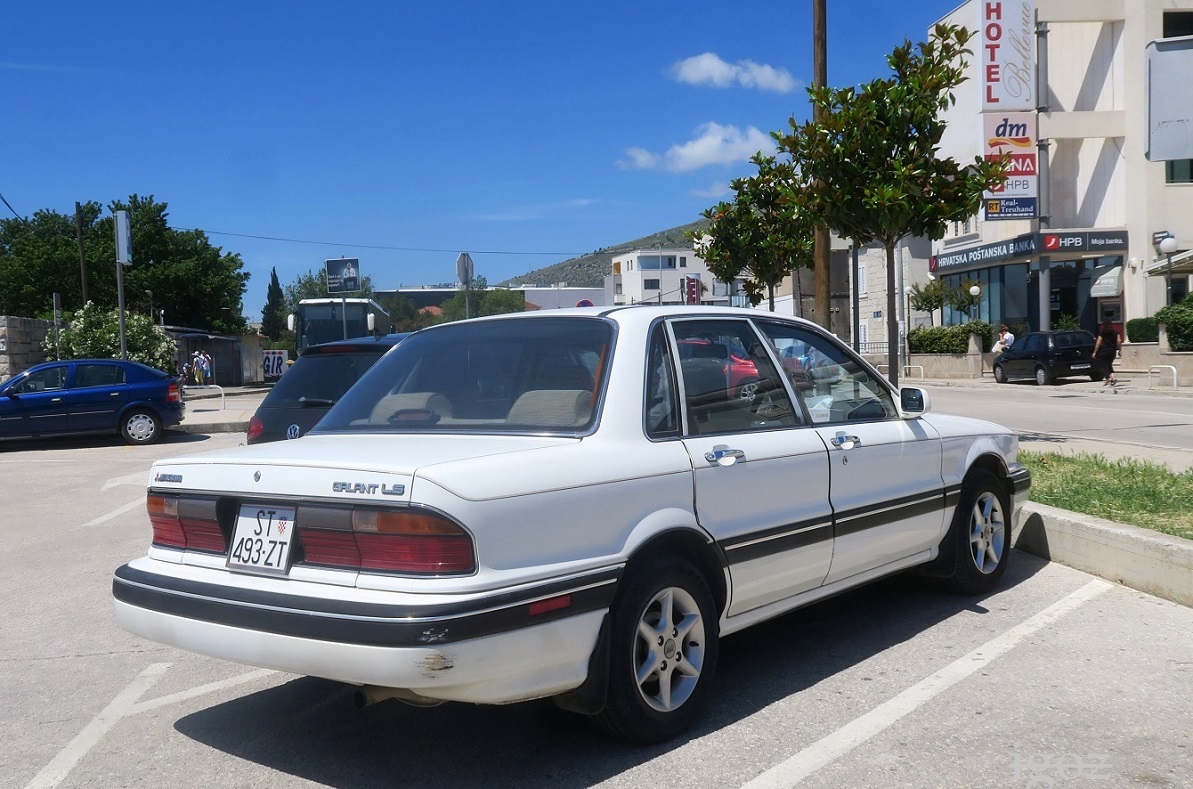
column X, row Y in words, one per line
column 76, row 396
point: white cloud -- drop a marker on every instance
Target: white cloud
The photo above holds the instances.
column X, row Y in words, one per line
column 715, row 191
column 714, row 144
column 709, row 69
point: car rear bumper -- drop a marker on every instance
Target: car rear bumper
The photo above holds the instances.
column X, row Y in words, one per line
column 482, row 650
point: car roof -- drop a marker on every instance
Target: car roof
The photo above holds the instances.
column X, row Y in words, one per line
column 379, row 344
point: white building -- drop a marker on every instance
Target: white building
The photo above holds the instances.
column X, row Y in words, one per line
column 1089, row 254
column 663, row 275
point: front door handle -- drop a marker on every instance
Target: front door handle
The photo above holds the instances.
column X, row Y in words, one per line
column 724, row 457
column 842, row 441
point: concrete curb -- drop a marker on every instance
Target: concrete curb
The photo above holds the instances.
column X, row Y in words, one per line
column 1142, row 559
column 212, row 427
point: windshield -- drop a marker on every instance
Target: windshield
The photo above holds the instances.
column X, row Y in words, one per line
column 511, row 375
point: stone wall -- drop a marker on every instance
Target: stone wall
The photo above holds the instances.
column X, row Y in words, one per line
column 20, row 344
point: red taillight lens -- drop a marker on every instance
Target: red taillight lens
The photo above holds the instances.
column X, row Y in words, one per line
column 173, row 393
column 256, row 428
column 163, row 515
column 410, row 542
column 185, row 523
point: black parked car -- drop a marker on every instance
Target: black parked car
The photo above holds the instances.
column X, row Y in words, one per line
column 1048, row 355
column 313, row 384
column 76, row 396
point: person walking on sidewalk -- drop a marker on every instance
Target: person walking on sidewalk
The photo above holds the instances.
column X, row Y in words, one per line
column 1105, row 349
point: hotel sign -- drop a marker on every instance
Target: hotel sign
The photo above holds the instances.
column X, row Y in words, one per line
column 1008, row 43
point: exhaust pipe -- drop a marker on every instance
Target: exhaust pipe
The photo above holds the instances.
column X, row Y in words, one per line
column 367, row 695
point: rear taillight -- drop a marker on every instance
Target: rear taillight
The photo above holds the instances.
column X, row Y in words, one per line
column 173, row 393
column 406, row 541
column 185, row 523
column 256, row 428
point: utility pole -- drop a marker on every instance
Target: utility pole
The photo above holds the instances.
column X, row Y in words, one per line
column 79, row 237
column 820, row 240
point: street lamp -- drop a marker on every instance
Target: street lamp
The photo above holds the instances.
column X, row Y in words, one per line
column 149, row 293
column 1168, row 246
column 974, row 291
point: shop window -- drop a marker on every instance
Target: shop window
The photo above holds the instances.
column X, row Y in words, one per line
column 1178, row 171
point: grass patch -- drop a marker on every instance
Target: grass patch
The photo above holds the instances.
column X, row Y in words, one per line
column 1125, row 491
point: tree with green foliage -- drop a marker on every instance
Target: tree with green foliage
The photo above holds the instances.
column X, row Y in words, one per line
column 483, row 301
column 313, row 285
column 273, row 314
column 195, row 282
column 403, row 315
column 94, row 333
column 928, row 298
column 869, row 167
column 761, row 235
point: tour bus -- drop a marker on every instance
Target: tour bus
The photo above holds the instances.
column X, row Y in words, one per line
column 323, row 320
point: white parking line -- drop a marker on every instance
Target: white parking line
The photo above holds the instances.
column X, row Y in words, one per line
column 132, row 505
column 202, row 690
column 60, row 766
column 882, row 717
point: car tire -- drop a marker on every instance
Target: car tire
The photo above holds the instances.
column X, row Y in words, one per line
column 981, row 533
column 663, row 653
column 140, row 427
column 1043, row 377
column 1095, row 377
column 1000, row 375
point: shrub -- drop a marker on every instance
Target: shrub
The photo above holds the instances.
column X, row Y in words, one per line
column 949, row 339
column 1067, row 321
column 1178, row 320
column 1143, row 330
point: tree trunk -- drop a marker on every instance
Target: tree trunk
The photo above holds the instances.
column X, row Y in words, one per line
column 892, row 318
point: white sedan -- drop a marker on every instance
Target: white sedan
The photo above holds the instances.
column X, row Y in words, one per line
column 574, row 504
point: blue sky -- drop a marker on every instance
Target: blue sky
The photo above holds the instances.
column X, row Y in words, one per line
column 403, row 133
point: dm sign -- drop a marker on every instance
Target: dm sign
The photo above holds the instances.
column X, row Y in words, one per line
column 1012, row 134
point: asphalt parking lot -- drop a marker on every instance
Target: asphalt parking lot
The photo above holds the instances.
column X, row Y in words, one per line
column 1060, row 676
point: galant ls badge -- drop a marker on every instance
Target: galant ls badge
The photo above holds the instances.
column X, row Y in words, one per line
column 368, row 488
column 292, row 431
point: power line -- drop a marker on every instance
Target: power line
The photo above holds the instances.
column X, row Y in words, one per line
column 381, row 246
column 10, row 208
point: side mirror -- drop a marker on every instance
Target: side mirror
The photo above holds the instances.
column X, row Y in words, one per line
column 371, row 320
column 913, row 402
column 290, row 322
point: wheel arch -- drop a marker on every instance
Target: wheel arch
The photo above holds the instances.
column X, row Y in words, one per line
column 687, row 543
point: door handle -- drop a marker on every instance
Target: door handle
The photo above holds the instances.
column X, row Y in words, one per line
column 724, row 457
column 842, row 441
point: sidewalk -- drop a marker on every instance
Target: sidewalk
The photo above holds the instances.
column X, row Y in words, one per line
column 1138, row 558
column 210, row 411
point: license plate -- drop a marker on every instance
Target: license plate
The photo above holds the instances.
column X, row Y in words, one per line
column 1080, row 366
column 261, row 540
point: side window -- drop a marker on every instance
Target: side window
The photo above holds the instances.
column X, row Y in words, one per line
column 833, row 386
column 1035, row 343
column 662, row 403
column 45, row 380
column 730, row 384
column 98, row 375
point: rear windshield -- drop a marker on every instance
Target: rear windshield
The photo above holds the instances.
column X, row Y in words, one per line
column 508, row 375
column 1071, row 339
column 320, row 379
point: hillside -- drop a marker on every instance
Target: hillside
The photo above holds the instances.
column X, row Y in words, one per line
column 588, row 271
